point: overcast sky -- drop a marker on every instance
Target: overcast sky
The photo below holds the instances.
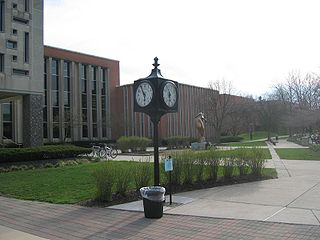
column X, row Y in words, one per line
column 253, row 43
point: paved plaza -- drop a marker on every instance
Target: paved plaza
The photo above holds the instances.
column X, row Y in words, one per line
column 283, row 208
column 70, row 222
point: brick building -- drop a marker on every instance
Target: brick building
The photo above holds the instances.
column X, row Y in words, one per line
column 78, row 93
column 192, row 100
column 49, row 94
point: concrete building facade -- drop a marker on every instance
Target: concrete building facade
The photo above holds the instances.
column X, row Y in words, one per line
column 21, row 64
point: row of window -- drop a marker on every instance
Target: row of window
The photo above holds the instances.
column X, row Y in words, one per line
column 69, row 117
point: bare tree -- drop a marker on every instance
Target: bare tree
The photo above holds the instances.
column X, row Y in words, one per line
column 271, row 113
column 301, row 96
column 219, row 106
column 242, row 117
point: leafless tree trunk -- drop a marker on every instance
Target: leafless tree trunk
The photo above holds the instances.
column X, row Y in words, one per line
column 271, row 113
column 219, row 106
column 301, row 95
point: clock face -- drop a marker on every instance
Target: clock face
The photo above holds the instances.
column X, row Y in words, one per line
column 144, row 94
column 169, row 94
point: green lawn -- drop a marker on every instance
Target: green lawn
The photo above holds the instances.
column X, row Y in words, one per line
column 298, row 154
column 256, row 135
column 58, row 185
column 69, row 184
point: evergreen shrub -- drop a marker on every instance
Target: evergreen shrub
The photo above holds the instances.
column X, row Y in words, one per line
column 178, row 142
column 227, row 139
column 41, row 153
column 135, row 144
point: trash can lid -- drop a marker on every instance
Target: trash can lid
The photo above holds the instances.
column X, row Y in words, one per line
column 152, row 191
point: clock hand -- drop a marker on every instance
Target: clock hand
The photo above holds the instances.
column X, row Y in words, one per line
column 144, row 94
column 169, row 95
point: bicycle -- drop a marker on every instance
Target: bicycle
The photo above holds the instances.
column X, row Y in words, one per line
column 108, row 151
column 95, row 151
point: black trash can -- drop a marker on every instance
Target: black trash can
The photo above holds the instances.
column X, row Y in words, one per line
column 153, row 198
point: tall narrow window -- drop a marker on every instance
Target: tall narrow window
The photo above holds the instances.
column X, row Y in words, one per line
column 2, row 15
column 7, row 120
column 1, row 62
column 94, row 102
column 55, row 97
column 26, row 47
column 66, row 101
column 84, row 98
column 104, row 103
column 45, row 108
column 26, row 5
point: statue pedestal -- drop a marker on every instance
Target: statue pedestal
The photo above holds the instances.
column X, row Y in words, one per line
column 199, row 145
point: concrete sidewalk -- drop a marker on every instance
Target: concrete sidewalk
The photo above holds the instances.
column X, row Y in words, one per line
column 283, row 208
column 10, row 234
column 283, row 143
column 288, row 199
column 292, row 198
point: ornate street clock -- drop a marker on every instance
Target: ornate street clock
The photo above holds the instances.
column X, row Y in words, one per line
column 155, row 96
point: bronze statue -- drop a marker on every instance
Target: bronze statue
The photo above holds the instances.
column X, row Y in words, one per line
column 200, row 121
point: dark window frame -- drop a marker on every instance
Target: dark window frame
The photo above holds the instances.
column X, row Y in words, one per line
column 20, row 20
column 1, row 62
column 2, row 15
column 12, row 44
column 20, row 72
column 26, row 47
column 26, row 5
column 7, row 122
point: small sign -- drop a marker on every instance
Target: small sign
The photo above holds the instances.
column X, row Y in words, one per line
column 168, row 166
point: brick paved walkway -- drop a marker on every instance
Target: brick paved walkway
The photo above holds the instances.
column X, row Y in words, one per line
column 75, row 222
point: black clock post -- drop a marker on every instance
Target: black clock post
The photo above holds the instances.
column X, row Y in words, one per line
column 155, row 96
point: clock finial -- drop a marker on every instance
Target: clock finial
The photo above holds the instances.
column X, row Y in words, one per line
column 155, row 73
column 156, row 64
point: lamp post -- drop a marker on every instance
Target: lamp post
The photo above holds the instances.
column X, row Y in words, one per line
column 155, row 96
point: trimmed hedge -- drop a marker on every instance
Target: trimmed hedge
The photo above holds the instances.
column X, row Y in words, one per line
column 178, row 142
column 227, row 139
column 41, row 153
column 135, row 144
